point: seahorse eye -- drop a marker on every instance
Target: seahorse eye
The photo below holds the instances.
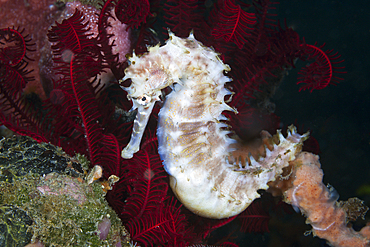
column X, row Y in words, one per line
column 144, row 99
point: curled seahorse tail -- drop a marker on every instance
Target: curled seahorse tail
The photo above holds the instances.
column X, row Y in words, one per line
column 226, row 188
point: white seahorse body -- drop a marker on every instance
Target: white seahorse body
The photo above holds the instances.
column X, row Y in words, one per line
column 192, row 135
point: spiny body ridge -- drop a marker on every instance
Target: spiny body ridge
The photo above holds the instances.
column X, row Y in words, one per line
column 193, row 135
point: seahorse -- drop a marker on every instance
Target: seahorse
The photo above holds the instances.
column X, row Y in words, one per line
column 194, row 140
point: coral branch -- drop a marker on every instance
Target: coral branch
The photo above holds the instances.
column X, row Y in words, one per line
column 318, row 203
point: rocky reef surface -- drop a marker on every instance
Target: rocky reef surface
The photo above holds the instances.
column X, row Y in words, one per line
column 45, row 199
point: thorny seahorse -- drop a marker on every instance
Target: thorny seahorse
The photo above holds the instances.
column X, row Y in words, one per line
column 193, row 136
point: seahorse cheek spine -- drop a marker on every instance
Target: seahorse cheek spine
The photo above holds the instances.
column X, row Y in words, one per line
column 193, row 136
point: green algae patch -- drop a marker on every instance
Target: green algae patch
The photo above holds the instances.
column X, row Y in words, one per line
column 55, row 208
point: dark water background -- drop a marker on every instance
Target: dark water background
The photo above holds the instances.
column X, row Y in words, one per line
column 337, row 116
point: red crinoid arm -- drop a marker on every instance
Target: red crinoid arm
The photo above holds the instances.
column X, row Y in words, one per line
column 17, row 115
column 13, row 59
column 183, row 16
column 87, row 108
column 16, row 77
column 102, row 148
column 78, row 70
column 211, row 225
column 322, row 71
column 255, row 218
column 72, row 34
column 234, row 24
column 15, row 112
column 153, row 219
column 132, row 13
column 147, row 176
column 104, row 38
column 13, row 46
column 165, row 226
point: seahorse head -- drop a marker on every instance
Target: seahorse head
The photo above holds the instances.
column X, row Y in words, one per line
column 156, row 70
column 148, row 77
column 147, row 80
column 159, row 68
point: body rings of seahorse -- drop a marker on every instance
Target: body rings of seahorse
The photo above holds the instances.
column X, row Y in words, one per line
column 192, row 133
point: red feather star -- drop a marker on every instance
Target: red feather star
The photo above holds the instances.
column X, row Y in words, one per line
column 85, row 114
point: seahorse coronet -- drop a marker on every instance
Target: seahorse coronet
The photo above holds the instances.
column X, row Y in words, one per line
column 194, row 143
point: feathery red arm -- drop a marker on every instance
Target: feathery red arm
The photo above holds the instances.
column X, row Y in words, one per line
column 322, row 71
column 234, row 24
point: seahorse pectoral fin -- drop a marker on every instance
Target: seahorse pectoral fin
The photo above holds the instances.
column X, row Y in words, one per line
column 140, row 123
